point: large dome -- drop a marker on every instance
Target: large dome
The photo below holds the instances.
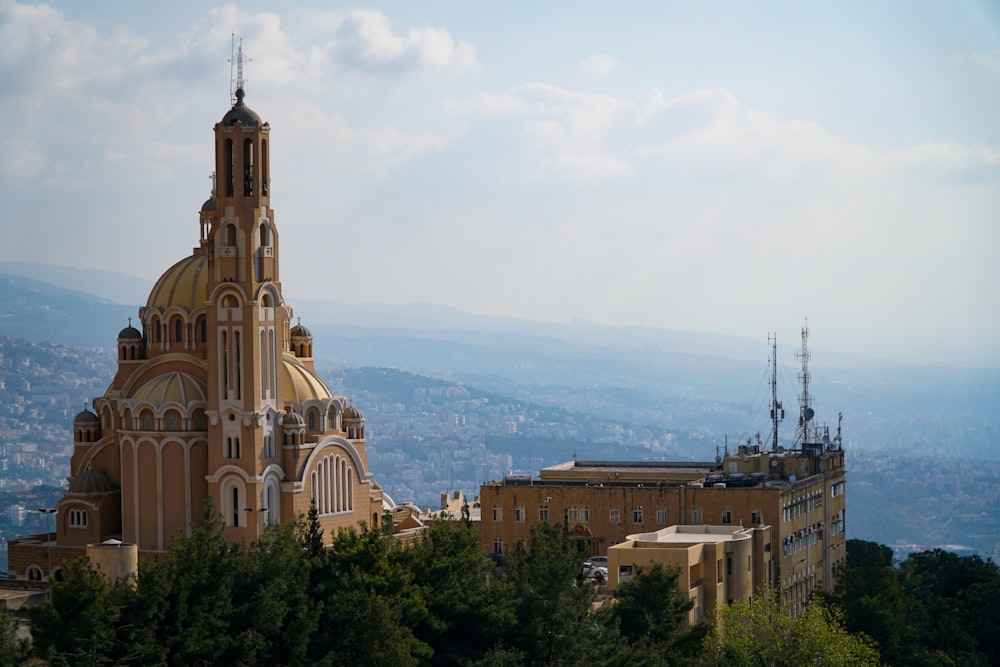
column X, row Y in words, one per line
column 184, row 284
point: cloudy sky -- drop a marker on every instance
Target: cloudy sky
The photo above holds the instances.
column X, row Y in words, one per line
column 722, row 167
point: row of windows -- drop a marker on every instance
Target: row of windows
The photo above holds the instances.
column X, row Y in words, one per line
column 800, row 540
column 78, row 518
column 801, row 505
column 837, row 490
column 581, row 514
column 172, row 421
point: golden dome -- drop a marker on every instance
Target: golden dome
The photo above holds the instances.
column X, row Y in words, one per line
column 174, row 387
column 184, row 284
column 299, row 384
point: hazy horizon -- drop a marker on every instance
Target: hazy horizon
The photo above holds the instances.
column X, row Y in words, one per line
column 725, row 168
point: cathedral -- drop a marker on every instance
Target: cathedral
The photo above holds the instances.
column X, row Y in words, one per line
column 216, row 397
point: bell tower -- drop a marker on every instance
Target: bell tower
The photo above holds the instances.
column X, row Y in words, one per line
column 247, row 318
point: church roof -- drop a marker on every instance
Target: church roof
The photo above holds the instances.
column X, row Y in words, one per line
column 299, row 384
column 183, row 284
column 240, row 112
column 91, row 481
column 176, row 387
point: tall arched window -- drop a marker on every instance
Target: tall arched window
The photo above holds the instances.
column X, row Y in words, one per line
column 178, row 330
column 230, row 168
column 236, row 507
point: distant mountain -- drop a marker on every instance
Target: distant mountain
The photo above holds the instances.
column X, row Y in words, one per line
column 115, row 287
column 39, row 311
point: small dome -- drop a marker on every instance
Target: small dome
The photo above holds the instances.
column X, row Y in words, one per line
column 353, row 414
column 240, row 113
column 292, row 419
column 208, row 206
column 86, row 417
column 175, row 387
column 300, row 331
column 299, row 384
column 184, row 284
column 130, row 333
column 91, row 481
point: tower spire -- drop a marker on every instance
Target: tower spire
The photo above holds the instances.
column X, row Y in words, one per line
column 236, row 60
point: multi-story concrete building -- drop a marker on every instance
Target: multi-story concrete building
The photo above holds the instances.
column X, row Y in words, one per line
column 716, row 563
column 215, row 398
column 799, row 491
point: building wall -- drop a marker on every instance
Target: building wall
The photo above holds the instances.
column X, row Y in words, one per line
column 509, row 510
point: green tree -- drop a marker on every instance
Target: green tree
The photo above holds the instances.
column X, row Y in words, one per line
column 78, row 624
column 648, row 622
column 872, row 599
column 553, row 600
column 957, row 603
column 371, row 604
column 470, row 609
column 762, row 631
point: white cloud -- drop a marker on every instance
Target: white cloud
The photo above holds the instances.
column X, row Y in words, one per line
column 597, row 66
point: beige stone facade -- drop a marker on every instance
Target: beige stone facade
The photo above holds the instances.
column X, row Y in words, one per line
column 799, row 493
column 216, row 397
column 716, row 563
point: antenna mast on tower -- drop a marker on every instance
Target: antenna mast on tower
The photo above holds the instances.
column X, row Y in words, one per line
column 236, row 61
column 777, row 412
column 806, row 413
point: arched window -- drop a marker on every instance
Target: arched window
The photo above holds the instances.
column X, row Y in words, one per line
column 147, row 421
column 198, row 420
column 311, row 415
column 236, row 507
column 78, row 518
column 247, row 167
column 204, row 328
column 229, row 167
column 172, row 422
column 230, row 235
column 34, row 573
column 265, row 236
column 178, row 330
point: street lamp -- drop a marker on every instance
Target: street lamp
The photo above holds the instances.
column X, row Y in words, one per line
column 256, row 520
column 48, row 512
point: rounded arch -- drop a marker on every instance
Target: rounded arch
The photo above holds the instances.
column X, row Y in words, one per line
column 233, row 500
column 34, row 573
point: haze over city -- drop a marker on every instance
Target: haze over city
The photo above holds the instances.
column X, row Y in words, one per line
column 731, row 168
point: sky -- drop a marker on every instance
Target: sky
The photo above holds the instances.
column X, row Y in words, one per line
column 726, row 167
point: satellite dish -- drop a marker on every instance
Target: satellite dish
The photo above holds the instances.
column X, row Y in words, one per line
column 774, row 463
column 809, row 414
column 822, row 465
column 791, row 478
column 781, row 449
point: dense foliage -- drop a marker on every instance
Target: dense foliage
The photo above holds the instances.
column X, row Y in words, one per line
column 367, row 600
column 933, row 608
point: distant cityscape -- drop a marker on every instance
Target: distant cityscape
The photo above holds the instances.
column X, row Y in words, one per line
column 430, row 436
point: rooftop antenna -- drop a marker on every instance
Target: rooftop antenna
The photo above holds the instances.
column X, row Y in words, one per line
column 236, row 61
column 806, row 412
column 777, row 412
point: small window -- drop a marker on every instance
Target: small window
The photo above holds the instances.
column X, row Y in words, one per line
column 637, row 514
column 661, row 516
column 614, row 517
column 585, row 514
column 497, row 546
column 755, row 517
column 727, row 517
column 498, row 512
column 519, row 514
column 696, row 514
column 543, row 512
